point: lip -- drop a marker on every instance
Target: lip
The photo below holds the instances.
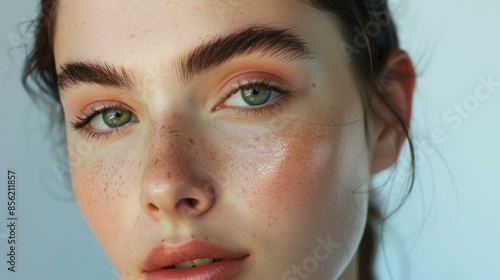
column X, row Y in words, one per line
column 162, row 256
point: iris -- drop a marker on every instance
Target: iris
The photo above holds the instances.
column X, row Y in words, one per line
column 256, row 95
column 116, row 118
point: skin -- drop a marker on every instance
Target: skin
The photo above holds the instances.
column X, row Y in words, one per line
column 268, row 185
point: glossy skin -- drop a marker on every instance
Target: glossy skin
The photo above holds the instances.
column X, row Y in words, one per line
column 267, row 184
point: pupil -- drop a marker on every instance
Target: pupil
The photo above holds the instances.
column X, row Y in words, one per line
column 256, row 95
column 116, row 118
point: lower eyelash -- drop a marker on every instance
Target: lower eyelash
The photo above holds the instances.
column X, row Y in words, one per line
column 94, row 135
column 91, row 113
column 88, row 115
column 278, row 105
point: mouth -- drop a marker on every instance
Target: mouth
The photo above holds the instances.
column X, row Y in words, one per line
column 194, row 260
column 215, row 270
column 193, row 263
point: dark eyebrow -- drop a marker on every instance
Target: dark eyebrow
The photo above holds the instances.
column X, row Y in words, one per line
column 279, row 43
column 91, row 72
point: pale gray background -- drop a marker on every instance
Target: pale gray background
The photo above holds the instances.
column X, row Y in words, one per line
column 449, row 228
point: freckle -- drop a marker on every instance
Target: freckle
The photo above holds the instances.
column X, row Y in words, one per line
column 173, row 131
column 314, row 85
column 169, row 175
column 191, row 141
column 132, row 36
column 257, row 138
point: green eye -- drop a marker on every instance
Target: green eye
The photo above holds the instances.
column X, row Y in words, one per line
column 256, row 95
column 115, row 118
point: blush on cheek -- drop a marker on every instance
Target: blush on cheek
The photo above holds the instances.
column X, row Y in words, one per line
column 306, row 176
column 308, row 192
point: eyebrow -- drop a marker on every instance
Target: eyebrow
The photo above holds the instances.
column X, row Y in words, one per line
column 91, row 72
column 277, row 43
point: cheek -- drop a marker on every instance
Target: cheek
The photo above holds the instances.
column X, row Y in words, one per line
column 106, row 187
column 300, row 184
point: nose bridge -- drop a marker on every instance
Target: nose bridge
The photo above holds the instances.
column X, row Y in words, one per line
column 171, row 184
column 166, row 146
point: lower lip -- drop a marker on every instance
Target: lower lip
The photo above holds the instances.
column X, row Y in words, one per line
column 222, row 270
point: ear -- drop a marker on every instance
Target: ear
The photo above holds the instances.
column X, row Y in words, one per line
column 397, row 84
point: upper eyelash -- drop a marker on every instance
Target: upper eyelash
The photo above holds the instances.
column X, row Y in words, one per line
column 285, row 94
column 91, row 113
column 88, row 115
column 280, row 88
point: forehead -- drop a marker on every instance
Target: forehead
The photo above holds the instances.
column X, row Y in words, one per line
column 126, row 30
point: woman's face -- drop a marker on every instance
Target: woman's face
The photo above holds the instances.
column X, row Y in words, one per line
column 227, row 129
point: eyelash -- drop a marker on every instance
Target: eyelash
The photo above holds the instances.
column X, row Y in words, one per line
column 277, row 104
column 89, row 114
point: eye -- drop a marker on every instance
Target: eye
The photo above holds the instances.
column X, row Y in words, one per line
column 256, row 95
column 111, row 118
column 253, row 95
column 99, row 122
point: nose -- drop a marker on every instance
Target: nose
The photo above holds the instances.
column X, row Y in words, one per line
column 175, row 199
column 173, row 185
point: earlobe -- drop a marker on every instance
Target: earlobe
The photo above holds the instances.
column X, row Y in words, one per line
column 394, row 110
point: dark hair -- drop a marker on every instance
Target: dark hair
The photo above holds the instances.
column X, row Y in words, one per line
column 369, row 34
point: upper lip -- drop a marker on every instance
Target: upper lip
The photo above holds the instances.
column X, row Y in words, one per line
column 163, row 255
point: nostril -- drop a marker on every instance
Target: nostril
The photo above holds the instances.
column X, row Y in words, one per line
column 188, row 204
column 191, row 202
column 153, row 208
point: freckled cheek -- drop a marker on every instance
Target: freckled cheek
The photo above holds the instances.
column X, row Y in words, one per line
column 106, row 186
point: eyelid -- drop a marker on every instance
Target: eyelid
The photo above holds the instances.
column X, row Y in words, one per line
column 252, row 76
column 91, row 111
column 237, row 82
column 99, row 106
